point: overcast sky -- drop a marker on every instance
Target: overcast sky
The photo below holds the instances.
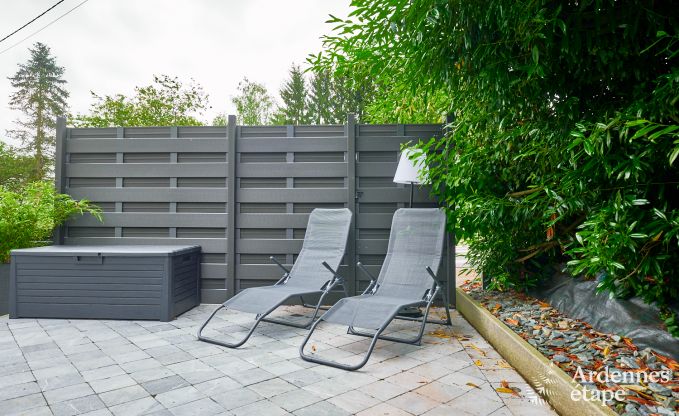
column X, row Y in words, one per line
column 111, row 46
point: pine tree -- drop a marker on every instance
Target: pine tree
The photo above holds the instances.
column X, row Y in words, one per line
column 41, row 97
column 320, row 108
column 348, row 97
column 294, row 96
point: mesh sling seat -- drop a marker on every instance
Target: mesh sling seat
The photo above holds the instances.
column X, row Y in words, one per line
column 407, row 279
column 314, row 273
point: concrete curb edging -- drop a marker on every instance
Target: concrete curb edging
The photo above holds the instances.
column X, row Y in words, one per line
column 553, row 383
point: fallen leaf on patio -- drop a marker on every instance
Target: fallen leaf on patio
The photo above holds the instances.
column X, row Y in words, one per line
column 478, row 363
column 504, row 383
column 441, row 333
column 506, row 390
column 511, row 321
column 479, row 350
column 544, row 304
column 496, row 308
column 607, row 350
column 503, row 364
column 470, row 384
column 313, row 348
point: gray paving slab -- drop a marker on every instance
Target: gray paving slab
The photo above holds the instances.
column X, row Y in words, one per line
column 21, row 404
column 203, row 407
column 123, row 395
column 77, row 406
column 18, row 390
column 262, row 407
column 242, row 397
column 68, row 367
column 138, row 407
column 177, row 397
column 162, row 385
column 295, row 399
column 68, row 393
column 324, row 408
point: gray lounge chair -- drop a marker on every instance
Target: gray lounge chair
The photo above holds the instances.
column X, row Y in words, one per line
column 314, row 273
column 407, row 279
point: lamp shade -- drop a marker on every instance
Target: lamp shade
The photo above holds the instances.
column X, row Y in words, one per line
column 411, row 171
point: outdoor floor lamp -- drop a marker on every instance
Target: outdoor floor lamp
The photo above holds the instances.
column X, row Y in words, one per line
column 411, row 170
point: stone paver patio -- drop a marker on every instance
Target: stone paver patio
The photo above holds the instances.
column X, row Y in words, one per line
column 68, row 367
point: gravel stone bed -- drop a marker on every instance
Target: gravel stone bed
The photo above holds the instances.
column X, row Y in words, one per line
column 602, row 363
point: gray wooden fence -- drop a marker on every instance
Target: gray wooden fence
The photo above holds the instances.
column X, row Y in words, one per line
column 242, row 193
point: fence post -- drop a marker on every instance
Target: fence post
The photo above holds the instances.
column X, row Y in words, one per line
column 173, row 181
column 451, row 258
column 231, row 183
column 59, row 161
column 352, row 197
column 120, row 158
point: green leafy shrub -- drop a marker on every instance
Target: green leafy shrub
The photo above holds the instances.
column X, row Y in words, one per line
column 28, row 216
column 15, row 169
column 565, row 142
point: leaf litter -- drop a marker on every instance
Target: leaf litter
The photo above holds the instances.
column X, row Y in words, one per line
column 573, row 344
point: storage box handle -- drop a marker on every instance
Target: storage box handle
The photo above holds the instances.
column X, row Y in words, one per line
column 93, row 259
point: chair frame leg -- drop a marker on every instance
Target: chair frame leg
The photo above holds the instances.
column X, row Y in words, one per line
column 306, row 324
column 263, row 318
column 323, row 308
column 224, row 343
column 335, row 364
column 259, row 318
column 416, row 340
column 446, row 305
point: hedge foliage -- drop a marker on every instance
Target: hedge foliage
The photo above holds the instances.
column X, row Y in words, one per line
column 566, row 136
column 29, row 215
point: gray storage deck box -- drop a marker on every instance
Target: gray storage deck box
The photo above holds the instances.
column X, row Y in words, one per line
column 104, row 282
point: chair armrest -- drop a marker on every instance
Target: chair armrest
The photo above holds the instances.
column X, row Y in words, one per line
column 433, row 276
column 334, row 272
column 286, row 273
column 373, row 280
column 285, row 269
column 335, row 276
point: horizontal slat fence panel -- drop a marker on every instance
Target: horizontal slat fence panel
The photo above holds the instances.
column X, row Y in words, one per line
column 280, row 168
column 243, row 193
column 160, row 185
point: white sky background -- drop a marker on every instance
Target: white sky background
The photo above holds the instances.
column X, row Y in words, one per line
column 111, row 46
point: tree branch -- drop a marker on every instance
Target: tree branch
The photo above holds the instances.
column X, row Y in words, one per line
column 524, row 193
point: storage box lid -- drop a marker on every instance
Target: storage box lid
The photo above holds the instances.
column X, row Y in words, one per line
column 120, row 251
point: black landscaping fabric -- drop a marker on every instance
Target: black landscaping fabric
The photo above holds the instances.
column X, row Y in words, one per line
column 631, row 318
